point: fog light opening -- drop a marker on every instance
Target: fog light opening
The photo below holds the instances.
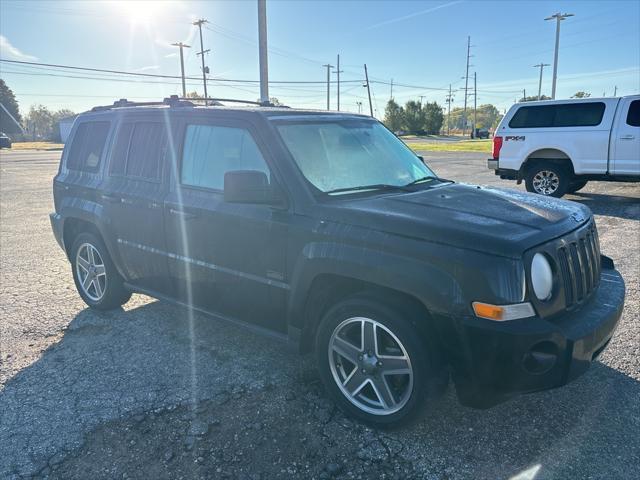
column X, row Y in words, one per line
column 540, row 358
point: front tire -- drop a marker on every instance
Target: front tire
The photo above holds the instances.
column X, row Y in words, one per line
column 547, row 178
column 374, row 361
column 96, row 278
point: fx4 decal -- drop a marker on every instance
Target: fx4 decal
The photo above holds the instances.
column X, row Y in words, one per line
column 514, row 138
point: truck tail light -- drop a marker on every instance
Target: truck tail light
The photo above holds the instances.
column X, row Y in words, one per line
column 497, row 145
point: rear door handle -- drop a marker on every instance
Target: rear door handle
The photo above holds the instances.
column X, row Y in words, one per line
column 627, row 137
column 182, row 213
column 110, row 198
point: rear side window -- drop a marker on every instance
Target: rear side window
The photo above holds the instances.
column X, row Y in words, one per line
column 633, row 117
column 211, row 151
column 87, row 146
column 139, row 150
column 563, row 115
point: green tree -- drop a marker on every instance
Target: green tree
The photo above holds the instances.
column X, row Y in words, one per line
column 8, row 99
column 413, row 118
column 534, row 98
column 393, row 116
column 433, row 118
column 581, row 94
column 40, row 122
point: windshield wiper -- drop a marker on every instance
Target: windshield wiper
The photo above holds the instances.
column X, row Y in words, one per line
column 376, row 186
column 427, row 179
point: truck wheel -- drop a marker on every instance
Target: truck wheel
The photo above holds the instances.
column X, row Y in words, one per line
column 374, row 362
column 575, row 186
column 96, row 278
column 547, row 178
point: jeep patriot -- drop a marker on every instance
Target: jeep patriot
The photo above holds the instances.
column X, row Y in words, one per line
column 325, row 230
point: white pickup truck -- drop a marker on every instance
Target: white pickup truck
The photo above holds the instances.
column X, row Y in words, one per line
column 557, row 146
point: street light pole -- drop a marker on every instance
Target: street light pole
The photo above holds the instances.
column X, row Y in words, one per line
column 262, row 52
column 559, row 17
column 182, row 45
column 541, row 66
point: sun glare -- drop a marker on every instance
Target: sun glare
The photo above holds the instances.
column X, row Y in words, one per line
column 140, row 11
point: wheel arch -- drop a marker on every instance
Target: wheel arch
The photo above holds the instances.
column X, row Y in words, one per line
column 327, row 289
column 552, row 154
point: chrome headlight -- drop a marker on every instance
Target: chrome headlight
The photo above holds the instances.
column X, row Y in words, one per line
column 541, row 276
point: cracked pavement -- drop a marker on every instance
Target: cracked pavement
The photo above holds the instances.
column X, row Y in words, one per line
column 148, row 392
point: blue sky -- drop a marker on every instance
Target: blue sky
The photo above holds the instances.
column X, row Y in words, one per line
column 418, row 44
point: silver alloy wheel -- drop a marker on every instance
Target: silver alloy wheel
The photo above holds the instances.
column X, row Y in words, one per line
column 370, row 366
column 91, row 273
column 545, row 182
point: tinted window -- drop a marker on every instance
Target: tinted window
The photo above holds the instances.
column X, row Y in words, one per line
column 87, row 146
column 633, row 117
column 210, row 151
column 563, row 115
column 145, row 151
column 121, row 149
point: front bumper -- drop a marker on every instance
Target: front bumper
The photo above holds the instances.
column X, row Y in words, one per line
column 494, row 361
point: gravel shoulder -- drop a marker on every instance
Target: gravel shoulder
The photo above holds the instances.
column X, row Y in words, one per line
column 150, row 391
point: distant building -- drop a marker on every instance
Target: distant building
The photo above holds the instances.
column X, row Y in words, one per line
column 65, row 124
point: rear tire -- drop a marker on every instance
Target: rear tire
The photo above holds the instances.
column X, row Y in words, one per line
column 576, row 186
column 96, row 277
column 387, row 369
column 547, row 178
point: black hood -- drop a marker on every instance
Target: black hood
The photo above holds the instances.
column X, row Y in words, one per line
column 500, row 221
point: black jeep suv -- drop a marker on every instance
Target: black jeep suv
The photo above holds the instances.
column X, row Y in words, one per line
column 325, row 230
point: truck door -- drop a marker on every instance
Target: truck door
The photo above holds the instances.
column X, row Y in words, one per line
column 625, row 139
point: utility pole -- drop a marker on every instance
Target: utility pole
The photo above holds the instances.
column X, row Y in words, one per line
column 466, row 86
column 524, row 94
column 421, row 97
column 329, row 67
column 475, row 104
column 366, row 76
column 182, row 45
column 449, row 101
column 391, row 95
column 202, row 51
column 338, row 72
column 559, row 17
column 262, row 49
column 541, row 66
column 615, row 90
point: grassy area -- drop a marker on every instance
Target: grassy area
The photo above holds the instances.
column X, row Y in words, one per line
column 37, row 146
column 461, row 146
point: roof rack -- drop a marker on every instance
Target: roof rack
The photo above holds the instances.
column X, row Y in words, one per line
column 232, row 100
column 172, row 101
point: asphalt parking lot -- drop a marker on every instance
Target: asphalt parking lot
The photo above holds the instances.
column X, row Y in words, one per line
column 148, row 392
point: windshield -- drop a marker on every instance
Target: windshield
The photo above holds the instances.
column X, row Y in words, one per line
column 351, row 154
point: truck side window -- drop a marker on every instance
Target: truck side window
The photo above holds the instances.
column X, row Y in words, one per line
column 561, row 115
column 633, row 117
column 211, row 151
column 87, row 146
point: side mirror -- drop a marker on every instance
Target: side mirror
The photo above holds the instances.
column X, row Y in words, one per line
column 248, row 186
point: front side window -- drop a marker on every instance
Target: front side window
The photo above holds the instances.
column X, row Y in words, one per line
column 583, row 114
column 211, row 151
column 87, row 146
column 633, row 117
column 352, row 153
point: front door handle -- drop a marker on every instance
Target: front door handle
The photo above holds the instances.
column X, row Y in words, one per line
column 627, row 137
column 182, row 213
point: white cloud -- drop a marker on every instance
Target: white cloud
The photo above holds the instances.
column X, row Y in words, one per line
column 9, row 52
column 149, row 67
column 414, row 14
column 171, row 55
